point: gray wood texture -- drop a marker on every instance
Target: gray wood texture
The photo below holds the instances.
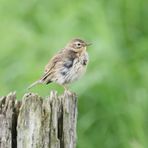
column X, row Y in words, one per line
column 36, row 122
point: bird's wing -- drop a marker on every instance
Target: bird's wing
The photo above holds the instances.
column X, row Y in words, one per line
column 49, row 70
column 50, row 67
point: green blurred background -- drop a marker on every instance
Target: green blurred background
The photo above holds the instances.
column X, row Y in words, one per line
column 113, row 94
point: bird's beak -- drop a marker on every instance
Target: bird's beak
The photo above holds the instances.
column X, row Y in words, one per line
column 88, row 44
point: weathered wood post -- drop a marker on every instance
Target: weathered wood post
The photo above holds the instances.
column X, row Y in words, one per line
column 37, row 122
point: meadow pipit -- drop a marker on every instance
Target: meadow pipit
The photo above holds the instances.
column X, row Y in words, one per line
column 67, row 65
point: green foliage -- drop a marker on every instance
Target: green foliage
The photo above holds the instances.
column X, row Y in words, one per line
column 113, row 95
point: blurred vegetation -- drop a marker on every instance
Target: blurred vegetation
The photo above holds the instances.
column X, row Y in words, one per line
column 113, row 95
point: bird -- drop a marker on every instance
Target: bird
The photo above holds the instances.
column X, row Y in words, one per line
column 67, row 66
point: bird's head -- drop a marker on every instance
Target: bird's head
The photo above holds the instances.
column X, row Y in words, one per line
column 77, row 45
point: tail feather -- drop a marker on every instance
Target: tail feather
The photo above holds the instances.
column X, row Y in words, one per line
column 34, row 84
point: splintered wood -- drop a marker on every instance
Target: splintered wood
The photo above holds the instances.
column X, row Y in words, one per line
column 35, row 122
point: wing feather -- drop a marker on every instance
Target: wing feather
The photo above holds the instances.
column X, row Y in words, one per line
column 51, row 67
column 63, row 58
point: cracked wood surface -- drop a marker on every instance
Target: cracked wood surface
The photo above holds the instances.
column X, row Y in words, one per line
column 36, row 122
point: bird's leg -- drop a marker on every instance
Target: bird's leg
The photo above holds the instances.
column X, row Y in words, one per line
column 65, row 87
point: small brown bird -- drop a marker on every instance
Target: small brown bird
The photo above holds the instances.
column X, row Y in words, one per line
column 67, row 65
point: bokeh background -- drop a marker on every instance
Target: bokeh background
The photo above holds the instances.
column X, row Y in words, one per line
column 113, row 95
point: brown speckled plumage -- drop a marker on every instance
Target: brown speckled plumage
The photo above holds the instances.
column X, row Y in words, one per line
column 67, row 65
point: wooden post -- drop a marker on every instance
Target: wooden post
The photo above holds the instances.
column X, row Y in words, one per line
column 37, row 122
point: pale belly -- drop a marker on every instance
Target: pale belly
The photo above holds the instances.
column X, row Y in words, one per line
column 72, row 74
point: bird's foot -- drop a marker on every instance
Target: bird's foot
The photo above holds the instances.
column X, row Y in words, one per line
column 66, row 90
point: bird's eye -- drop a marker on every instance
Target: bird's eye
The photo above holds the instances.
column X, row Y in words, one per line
column 79, row 44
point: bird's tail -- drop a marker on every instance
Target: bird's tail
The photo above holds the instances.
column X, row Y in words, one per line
column 34, row 84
